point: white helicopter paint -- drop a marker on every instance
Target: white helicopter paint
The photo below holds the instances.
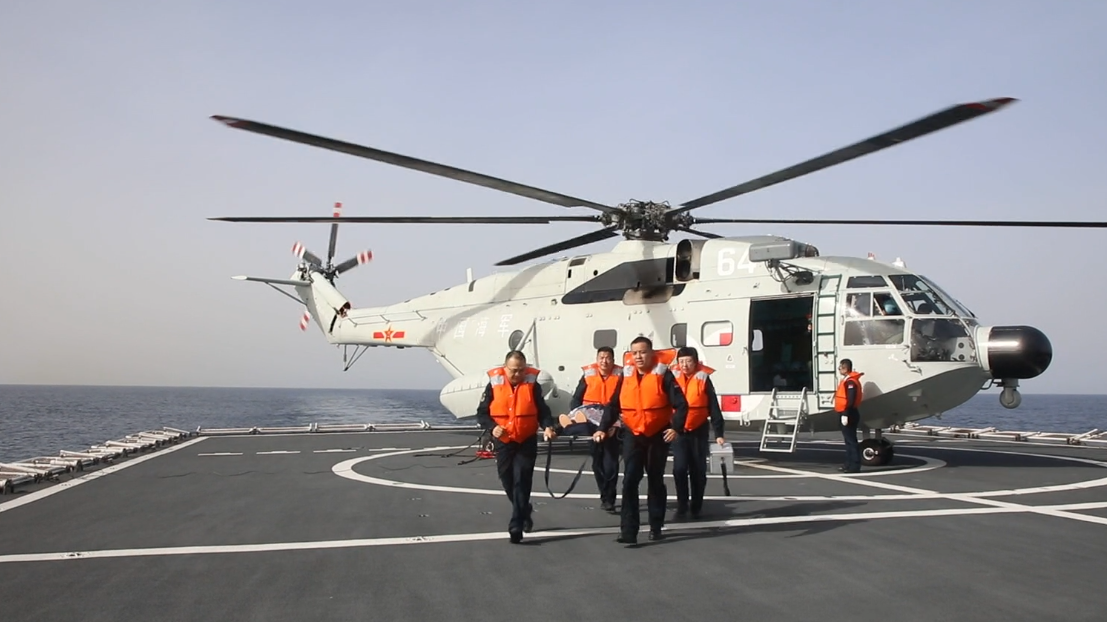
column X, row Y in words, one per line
column 469, row 328
column 743, row 302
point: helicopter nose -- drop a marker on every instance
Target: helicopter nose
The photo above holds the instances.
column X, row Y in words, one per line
column 1020, row 352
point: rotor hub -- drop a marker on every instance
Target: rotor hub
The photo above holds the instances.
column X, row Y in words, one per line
column 645, row 220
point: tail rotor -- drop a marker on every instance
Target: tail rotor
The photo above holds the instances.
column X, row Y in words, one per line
column 329, row 270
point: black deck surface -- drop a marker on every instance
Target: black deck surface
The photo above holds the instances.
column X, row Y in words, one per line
column 382, row 526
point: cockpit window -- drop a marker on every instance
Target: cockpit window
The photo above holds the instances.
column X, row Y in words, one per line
column 885, row 304
column 861, row 282
column 874, row 304
column 858, row 305
column 872, row 318
column 920, row 296
column 961, row 309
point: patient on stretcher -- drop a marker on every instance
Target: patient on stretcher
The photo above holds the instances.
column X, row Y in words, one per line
column 583, row 420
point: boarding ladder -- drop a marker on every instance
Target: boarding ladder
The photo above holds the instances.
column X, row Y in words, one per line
column 787, row 412
column 824, row 324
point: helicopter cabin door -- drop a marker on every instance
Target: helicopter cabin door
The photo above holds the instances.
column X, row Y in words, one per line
column 780, row 347
column 716, row 329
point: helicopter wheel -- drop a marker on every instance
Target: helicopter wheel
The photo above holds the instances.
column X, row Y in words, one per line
column 876, row 452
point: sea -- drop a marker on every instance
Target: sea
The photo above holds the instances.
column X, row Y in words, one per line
column 39, row 420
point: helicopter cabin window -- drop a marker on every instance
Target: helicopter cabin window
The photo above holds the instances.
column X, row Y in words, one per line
column 514, row 340
column 678, row 335
column 604, row 337
column 781, row 344
column 757, row 340
column 715, row 334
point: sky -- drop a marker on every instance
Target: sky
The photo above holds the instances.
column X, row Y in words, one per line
column 110, row 165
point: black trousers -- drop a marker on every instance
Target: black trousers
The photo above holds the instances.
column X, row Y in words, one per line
column 515, row 466
column 605, row 466
column 849, row 435
column 690, row 462
column 643, row 455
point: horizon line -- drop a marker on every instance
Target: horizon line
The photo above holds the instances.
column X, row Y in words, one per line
column 301, row 388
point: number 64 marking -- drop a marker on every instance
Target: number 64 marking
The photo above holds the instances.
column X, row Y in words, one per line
column 726, row 265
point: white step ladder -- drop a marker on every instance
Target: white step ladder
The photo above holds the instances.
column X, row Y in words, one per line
column 787, row 412
column 826, row 352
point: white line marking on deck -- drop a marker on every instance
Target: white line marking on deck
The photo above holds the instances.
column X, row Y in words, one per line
column 332, row 451
column 500, row 535
column 222, row 453
column 77, row 481
column 929, row 464
column 345, row 469
column 961, row 497
column 278, row 451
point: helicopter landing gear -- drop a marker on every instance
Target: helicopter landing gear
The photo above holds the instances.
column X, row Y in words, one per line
column 1010, row 397
column 876, row 451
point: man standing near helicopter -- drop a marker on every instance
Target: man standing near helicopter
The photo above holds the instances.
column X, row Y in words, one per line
column 513, row 409
column 846, row 400
column 651, row 404
column 691, row 445
column 597, row 386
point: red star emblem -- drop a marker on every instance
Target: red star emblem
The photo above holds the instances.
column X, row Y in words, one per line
column 388, row 334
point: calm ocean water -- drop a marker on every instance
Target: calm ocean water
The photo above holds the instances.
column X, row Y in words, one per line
column 40, row 420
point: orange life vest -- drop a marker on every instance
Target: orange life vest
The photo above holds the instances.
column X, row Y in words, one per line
column 695, row 391
column 840, row 394
column 514, row 408
column 598, row 390
column 645, row 406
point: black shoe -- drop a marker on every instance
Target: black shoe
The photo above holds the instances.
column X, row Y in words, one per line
column 608, row 506
column 696, row 514
column 528, row 524
column 516, row 536
column 681, row 512
column 850, row 469
column 627, row 539
column 655, row 534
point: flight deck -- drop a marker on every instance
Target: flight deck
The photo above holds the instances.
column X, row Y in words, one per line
column 403, row 522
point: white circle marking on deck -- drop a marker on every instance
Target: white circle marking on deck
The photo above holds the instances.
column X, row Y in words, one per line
column 345, row 469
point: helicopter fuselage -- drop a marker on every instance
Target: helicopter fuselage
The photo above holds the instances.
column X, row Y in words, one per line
column 771, row 316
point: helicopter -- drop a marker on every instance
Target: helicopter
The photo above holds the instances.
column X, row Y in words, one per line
column 771, row 315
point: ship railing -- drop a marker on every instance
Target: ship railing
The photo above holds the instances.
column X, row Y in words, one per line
column 313, row 428
column 1091, row 438
column 49, row 468
column 316, row 428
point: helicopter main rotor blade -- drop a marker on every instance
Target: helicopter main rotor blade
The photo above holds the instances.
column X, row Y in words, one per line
column 939, row 120
column 413, row 163
column 927, row 223
column 456, row 220
column 581, row 240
